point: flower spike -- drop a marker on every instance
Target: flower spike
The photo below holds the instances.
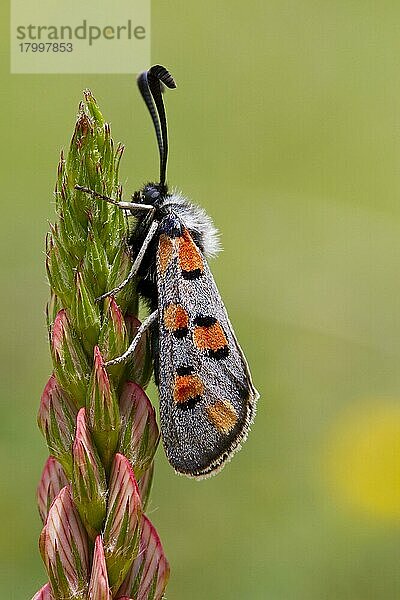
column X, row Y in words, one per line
column 98, row 423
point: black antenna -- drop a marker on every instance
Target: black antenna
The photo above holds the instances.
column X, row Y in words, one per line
column 150, row 84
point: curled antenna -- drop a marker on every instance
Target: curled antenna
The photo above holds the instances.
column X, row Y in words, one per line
column 150, row 84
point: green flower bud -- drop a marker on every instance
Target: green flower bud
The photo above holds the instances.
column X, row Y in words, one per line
column 102, row 411
column 113, row 339
column 95, row 265
column 140, row 367
column 144, row 484
column 118, row 272
column 53, row 306
column 59, row 269
column 72, row 234
column 85, row 314
column 69, row 359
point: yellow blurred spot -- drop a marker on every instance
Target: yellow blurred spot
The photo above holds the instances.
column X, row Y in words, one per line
column 363, row 459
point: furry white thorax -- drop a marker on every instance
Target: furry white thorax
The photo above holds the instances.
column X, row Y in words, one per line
column 195, row 218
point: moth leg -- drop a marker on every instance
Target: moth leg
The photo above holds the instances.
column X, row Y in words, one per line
column 145, row 325
column 136, row 264
column 120, row 204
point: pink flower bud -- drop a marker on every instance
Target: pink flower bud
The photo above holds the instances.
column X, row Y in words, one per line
column 64, row 547
column 121, row 530
column 150, row 569
column 89, row 479
column 56, row 420
column 98, row 587
column 139, row 432
column 53, row 479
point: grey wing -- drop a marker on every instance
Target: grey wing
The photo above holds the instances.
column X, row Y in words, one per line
column 207, row 399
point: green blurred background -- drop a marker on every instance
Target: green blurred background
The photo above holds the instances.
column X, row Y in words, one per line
column 286, row 128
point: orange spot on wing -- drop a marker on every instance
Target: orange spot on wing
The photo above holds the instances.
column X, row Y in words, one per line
column 187, row 387
column 175, row 317
column 222, row 414
column 209, row 338
column 189, row 255
column 165, row 250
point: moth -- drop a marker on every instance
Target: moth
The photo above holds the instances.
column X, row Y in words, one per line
column 207, row 398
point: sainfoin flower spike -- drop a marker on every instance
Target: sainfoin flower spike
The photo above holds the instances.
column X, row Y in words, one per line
column 99, row 425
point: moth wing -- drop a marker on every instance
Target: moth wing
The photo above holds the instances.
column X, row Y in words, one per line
column 207, row 399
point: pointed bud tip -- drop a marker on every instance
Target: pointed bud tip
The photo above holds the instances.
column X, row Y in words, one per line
column 99, row 588
column 99, row 372
column 116, row 314
column 122, row 471
column 98, row 359
column 50, row 388
column 81, row 417
column 88, row 95
column 44, row 593
column 81, row 434
column 59, row 325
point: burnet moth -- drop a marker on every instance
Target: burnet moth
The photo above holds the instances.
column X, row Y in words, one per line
column 207, row 398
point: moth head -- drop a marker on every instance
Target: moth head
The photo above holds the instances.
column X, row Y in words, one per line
column 151, row 193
